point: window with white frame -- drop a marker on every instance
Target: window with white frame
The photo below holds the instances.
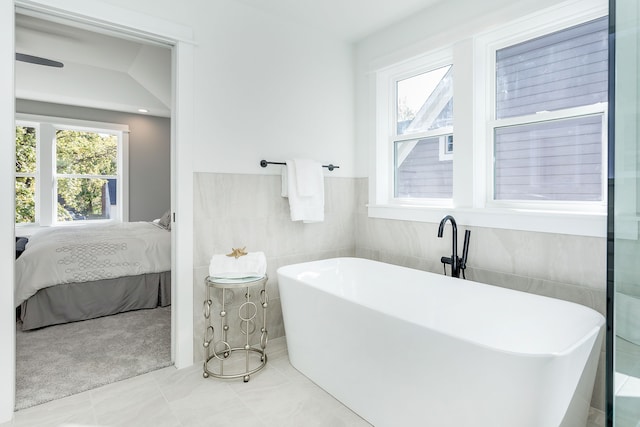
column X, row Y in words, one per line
column 421, row 138
column 25, row 182
column 531, row 125
column 549, row 127
column 69, row 171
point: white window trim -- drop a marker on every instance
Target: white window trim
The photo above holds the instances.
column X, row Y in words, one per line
column 471, row 208
column 569, row 206
column 46, row 126
column 509, row 35
column 386, row 123
column 443, row 149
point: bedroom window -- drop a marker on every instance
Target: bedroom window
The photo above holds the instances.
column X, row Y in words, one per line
column 79, row 164
column 25, row 174
column 86, row 175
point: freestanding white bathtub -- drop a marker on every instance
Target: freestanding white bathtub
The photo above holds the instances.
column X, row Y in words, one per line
column 404, row 347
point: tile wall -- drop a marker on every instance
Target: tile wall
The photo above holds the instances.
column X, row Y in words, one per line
column 235, row 210
column 238, row 210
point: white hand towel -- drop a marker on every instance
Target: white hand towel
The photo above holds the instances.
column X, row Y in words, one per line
column 308, row 174
column 284, row 191
column 253, row 264
column 305, row 188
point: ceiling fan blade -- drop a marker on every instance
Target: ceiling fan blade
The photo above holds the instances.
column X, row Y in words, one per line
column 38, row 60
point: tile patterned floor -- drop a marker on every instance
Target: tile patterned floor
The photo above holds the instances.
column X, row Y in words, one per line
column 277, row 396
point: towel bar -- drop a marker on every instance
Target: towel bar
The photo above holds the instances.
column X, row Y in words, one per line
column 264, row 164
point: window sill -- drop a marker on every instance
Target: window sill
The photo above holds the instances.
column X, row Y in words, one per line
column 573, row 223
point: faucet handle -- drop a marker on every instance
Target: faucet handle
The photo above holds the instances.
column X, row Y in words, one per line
column 445, row 260
column 465, row 249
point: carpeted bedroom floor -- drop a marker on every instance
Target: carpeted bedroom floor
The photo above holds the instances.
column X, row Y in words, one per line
column 61, row 360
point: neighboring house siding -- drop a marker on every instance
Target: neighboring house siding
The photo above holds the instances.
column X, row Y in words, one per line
column 422, row 174
column 555, row 160
column 553, row 72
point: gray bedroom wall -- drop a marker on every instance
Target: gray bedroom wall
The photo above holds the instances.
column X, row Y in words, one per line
column 149, row 153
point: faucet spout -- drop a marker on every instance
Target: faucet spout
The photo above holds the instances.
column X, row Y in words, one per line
column 455, row 264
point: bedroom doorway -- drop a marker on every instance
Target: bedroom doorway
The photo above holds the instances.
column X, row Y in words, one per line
column 33, row 105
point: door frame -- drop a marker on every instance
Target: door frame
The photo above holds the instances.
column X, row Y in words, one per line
column 126, row 23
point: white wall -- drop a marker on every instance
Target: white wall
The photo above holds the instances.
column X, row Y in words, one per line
column 274, row 91
column 266, row 88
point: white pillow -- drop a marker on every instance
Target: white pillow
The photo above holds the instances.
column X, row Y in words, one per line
column 165, row 220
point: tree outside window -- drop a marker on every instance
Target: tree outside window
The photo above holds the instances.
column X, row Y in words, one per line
column 83, row 174
column 25, row 174
column 86, row 162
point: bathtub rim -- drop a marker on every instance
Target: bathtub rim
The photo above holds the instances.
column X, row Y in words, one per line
column 589, row 335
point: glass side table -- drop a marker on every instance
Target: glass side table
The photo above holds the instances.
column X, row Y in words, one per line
column 216, row 343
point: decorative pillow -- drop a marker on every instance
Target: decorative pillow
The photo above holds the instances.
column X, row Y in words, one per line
column 21, row 243
column 165, row 220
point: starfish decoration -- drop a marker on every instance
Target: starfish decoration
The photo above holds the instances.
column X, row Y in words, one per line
column 237, row 252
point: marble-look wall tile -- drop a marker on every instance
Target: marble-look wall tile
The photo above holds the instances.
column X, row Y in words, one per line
column 599, row 388
column 257, row 217
column 236, row 210
column 568, row 259
column 563, row 258
column 573, row 260
column 591, row 298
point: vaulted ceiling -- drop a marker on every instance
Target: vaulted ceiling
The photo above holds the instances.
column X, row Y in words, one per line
column 99, row 71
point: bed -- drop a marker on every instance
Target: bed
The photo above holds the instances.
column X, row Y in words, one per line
column 67, row 274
